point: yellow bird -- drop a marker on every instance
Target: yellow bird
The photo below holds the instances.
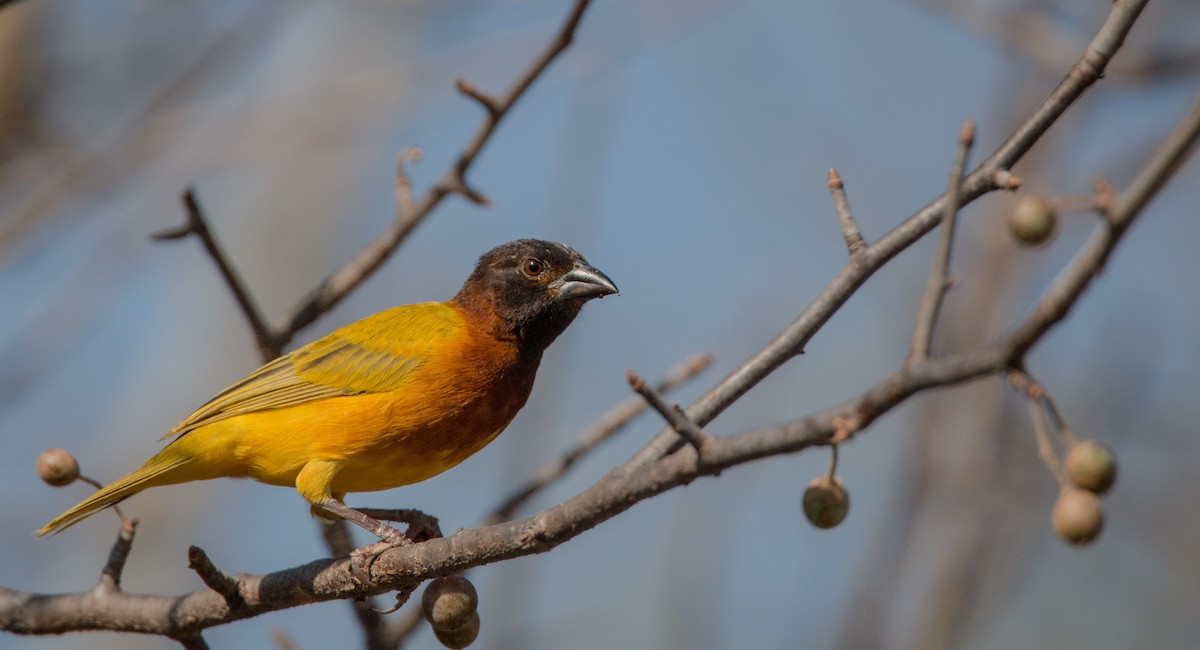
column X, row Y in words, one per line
column 393, row 399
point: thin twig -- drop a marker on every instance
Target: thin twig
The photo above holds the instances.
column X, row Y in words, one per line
column 1088, row 69
column 1162, row 165
column 1041, row 428
column 939, row 274
column 674, row 415
column 607, row 426
column 604, row 428
column 228, row 586
column 110, row 576
column 1039, row 403
column 197, row 225
column 404, row 197
column 1035, row 390
column 489, row 103
column 850, row 232
column 340, row 283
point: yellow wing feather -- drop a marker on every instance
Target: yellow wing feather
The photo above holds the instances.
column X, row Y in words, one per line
column 363, row 357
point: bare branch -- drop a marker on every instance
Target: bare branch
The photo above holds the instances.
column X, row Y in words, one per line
column 340, row 283
column 219, row 581
column 985, row 178
column 198, row 226
column 939, row 280
column 608, row 425
column 654, row 471
column 404, row 198
column 674, row 415
column 110, row 577
column 1163, row 164
column 489, row 103
column 1037, row 400
column 854, row 239
column 1051, row 47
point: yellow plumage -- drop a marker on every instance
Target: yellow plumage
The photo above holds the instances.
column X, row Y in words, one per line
column 391, row 400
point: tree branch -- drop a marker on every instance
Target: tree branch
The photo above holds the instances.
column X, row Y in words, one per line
column 401, row 568
column 849, row 227
column 197, row 225
column 340, row 283
column 608, row 425
column 939, row 279
column 992, row 174
column 653, row 471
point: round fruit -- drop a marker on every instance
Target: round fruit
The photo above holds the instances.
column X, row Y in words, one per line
column 57, row 467
column 461, row 636
column 826, row 502
column 1077, row 517
column 1033, row 220
column 1092, row 466
column 449, row 603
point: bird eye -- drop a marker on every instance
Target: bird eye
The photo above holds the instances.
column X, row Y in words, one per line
column 533, row 267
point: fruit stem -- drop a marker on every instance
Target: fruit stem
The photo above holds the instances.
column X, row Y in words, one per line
column 833, row 460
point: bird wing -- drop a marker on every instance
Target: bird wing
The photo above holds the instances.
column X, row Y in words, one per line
column 373, row 355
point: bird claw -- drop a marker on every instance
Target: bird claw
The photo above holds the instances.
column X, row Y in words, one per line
column 362, row 559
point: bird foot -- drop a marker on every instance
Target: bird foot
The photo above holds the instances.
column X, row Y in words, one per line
column 362, row 559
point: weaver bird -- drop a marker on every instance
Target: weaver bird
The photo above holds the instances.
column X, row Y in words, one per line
column 390, row 400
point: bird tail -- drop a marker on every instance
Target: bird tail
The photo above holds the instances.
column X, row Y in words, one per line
column 156, row 471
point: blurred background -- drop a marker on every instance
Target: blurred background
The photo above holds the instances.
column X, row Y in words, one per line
column 683, row 147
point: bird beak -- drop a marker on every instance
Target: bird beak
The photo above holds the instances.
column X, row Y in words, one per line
column 583, row 282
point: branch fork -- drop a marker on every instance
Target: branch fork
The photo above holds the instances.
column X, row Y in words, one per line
column 675, row 416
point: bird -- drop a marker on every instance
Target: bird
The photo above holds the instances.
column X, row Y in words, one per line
column 390, row 400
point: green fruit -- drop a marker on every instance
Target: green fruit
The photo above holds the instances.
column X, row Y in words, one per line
column 1077, row 517
column 449, row 603
column 461, row 636
column 1033, row 220
column 1092, row 466
column 826, row 502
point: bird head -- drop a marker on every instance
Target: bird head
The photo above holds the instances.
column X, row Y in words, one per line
column 533, row 289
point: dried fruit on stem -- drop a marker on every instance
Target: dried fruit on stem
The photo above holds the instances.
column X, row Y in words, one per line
column 57, row 467
column 449, row 603
column 826, row 502
column 1077, row 517
column 1092, row 466
column 461, row 636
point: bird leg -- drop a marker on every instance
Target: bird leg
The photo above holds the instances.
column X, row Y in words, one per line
column 421, row 526
column 362, row 559
column 377, row 528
